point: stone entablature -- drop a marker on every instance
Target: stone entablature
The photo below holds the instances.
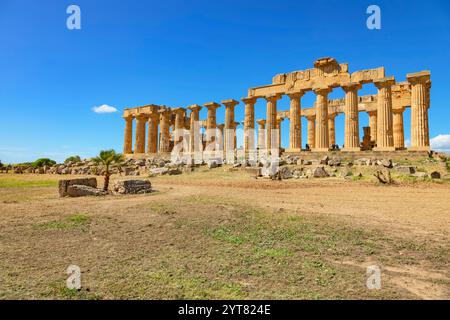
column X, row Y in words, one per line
column 385, row 111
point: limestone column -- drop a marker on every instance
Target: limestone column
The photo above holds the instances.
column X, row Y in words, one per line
column 152, row 138
column 211, row 121
column 373, row 125
column 128, row 139
column 331, row 129
column 420, row 135
column 311, row 131
column 140, row 134
column 278, row 127
column 322, row 142
column 194, row 127
column 351, row 135
column 219, row 136
column 385, row 136
column 249, row 123
column 164, row 138
column 271, row 118
column 230, row 133
column 295, row 122
column 398, row 127
column 261, row 134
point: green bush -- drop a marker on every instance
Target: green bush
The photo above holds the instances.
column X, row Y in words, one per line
column 39, row 163
column 74, row 159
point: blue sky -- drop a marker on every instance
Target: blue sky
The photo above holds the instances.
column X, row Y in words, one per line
column 131, row 53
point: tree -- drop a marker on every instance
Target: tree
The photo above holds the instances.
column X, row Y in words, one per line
column 74, row 159
column 105, row 159
column 39, row 163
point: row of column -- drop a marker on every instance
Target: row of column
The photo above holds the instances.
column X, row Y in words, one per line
column 386, row 124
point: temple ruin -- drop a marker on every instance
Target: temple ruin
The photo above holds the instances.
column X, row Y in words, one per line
column 157, row 125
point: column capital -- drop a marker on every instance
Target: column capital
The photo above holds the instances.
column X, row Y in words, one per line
column 296, row 95
column 261, row 122
column 372, row 112
column 332, row 115
column 419, row 77
column 211, row 105
column 141, row 116
column 351, row 86
column 384, row 82
column 178, row 110
column 322, row 90
column 399, row 110
column 249, row 100
column 220, row 126
column 128, row 117
column 311, row 118
column 273, row 97
column 230, row 103
column 195, row 107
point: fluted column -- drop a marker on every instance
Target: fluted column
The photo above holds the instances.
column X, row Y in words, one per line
column 295, row 123
column 385, row 135
column 398, row 128
column 220, row 136
column 271, row 118
column 261, row 134
column 351, row 134
column 211, row 121
column 179, row 124
column 311, row 131
column 164, row 126
column 140, row 134
column 229, row 124
column 278, row 127
column 420, row 135
column 322, row 142
column 128, row 138
column 194, row 128
column 249, row 123
column 331, row 129
column 152, row 138
column 373, row 125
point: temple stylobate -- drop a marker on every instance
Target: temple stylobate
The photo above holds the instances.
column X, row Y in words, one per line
column 158, row 127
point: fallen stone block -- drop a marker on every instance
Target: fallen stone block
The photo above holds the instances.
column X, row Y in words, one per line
column 435, row 175
column 320, row 172
column 83, row 191
column 64, row 184
column 132, row 187
column 406, row 169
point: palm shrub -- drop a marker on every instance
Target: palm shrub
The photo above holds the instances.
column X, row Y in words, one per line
column 105, row 159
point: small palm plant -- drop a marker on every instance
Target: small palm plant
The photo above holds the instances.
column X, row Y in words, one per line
column 106, row 158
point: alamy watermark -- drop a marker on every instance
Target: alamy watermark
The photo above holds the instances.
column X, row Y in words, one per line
column 373, row 277
column 374, row 20
column 73, row 22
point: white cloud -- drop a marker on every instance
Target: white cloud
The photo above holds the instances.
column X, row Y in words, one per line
column 441, row 142
column 104, row 109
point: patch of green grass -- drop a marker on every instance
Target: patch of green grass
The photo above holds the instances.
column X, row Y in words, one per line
column 59, row 290
column 19, row 183
column 177, row 284
column 70, row 222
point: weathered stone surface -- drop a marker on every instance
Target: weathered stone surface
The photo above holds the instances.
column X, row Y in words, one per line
column 320, row 172
column 435, row 175
column 387, row 163
column 421, row 175
column 83, row 191
column 132, row 187
column 446, row 176
column 324, row 160
column 285, row 173
column 213, row 164
column 158, row 171
column 336, row 162
column 406, row 169
column 64, row 184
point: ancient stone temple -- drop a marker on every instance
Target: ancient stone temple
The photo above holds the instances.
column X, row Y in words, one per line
column 158, row 127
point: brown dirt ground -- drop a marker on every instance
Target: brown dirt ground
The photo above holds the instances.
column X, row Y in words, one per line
column 220, row 234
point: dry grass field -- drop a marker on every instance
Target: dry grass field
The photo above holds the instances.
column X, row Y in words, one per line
column 214, row 234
